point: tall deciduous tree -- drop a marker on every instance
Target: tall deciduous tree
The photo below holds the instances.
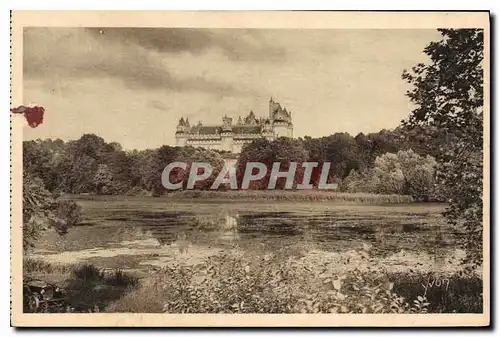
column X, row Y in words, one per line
column 282, row 150
column 448, row 94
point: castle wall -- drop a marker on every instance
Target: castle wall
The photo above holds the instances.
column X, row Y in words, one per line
column 205, row 143
column 281, row 130
column 227, row 143
column 180, row 140
column 238, row 146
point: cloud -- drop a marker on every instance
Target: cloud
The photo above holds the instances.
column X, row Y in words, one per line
column 142, row 83
column 237, row 44
column 64, row 54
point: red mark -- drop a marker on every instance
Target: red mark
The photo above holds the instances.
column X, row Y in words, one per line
column 34, row 115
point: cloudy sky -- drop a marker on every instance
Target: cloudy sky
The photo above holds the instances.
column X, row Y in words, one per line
column 132, row 85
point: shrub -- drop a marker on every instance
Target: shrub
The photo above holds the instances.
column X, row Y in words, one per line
column 38, row 212
column 69, row 212
column 121, row 279
column 88, row 272
column 463, row 293
column 85, row 288
column 269, row 284
column 41, row 211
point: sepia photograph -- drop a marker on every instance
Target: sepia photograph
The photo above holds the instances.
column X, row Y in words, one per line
column 331, row 169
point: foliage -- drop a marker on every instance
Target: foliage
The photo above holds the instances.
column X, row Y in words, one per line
column 33, row 266
column 42, row 159
column 189, row 155
column 90, row 165
column 87, row 288
column 41, row 211
column 448, row 94
column 340, row 149
column 463, row 293
column 282, row 150
column 103, row 179
column 88, row 272
column 404, row 172
column 271, row 283
column 69, row 212
column 38, row 210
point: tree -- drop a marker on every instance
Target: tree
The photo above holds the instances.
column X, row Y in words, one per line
column 103, row 180
column 146, row 171
column 388, row 172
column 404, row 172
column 80, row 162
column 119, row 165
column 341, row 151
column 189, row 155
column 448, row 95
column 282, row 150
column 419, row 172
column 41, row 158
column 38, row 211
column 78, row 173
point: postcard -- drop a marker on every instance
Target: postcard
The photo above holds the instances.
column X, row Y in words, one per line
column 271, row 169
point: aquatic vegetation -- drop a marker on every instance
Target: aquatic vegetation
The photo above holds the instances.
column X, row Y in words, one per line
column 292, row 195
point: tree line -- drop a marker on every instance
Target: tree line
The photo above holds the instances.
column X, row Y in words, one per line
column 92, row 165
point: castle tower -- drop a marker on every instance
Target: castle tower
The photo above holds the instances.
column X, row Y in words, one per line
column 227, row 134
column 281, row 129
column 273, row 108
column 267, row 130
column 281, row 120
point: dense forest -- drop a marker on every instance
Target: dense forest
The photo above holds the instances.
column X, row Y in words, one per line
column 92, row 165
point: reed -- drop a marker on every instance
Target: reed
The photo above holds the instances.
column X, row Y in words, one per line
column 284, row 195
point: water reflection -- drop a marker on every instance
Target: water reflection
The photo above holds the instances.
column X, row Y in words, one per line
column 328, row 230
column 182, row 242
column 229, row 229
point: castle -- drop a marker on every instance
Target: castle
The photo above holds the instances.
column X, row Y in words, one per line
column 230, row 136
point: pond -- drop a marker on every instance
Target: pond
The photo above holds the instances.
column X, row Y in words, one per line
column 140, row 233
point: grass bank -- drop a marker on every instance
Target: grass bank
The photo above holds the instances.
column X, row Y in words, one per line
column 292, row 195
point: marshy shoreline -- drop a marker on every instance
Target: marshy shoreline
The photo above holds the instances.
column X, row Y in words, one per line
column 207, row 255
column 265, row 195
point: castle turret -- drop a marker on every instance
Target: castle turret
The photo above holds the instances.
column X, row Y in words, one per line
column 181, row 126
column 251, row 119
column 182, row 133
column 227, row 124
